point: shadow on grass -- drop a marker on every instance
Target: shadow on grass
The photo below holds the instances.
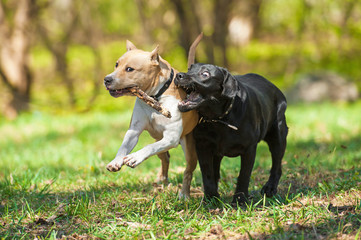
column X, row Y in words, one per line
column 28, row 210
column 38, row 212
column 345, row 223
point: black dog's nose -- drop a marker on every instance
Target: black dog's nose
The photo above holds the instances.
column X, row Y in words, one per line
column 180, row 75
column 108, row 80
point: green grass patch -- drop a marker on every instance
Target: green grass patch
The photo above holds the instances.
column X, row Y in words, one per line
column 53, row 182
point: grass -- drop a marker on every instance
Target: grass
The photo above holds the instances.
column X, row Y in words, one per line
column 53, row 182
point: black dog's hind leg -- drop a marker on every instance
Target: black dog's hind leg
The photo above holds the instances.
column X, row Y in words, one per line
column 247, row 162
column 276, row 140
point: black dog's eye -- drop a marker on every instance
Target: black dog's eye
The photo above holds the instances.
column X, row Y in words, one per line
column 116, row 64
column 205, row 74
column 129, row 69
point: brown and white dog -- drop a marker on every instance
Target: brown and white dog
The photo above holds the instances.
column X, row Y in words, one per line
column 149, row 72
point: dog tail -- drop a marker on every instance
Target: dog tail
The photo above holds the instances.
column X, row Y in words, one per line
column 192, row 49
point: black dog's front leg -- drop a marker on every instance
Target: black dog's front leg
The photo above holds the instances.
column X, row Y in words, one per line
column 247, row 162
column 210, row 169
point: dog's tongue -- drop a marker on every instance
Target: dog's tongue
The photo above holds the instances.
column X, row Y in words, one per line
column 192, row 97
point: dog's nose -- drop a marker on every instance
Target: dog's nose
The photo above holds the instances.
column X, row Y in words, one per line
column 180, row 75
column 108, row 80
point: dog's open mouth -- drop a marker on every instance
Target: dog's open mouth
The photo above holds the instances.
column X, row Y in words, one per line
column 191, row 102
column 120, row 92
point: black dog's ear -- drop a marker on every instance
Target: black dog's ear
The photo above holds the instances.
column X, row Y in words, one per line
column 229, row 84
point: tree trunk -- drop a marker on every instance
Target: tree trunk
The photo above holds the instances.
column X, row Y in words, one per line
column 221, row 14
column 186, row 26
column 216, row 45
column 60, row 48
column 14, row 64
column 141, row 5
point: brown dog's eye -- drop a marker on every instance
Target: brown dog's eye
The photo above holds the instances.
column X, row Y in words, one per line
column 129, row 69
column 116, row 64
column 205, row 74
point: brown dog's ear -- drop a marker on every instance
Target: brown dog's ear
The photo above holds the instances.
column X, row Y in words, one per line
column 130, row 46
column 229, row 84
column 154, row 56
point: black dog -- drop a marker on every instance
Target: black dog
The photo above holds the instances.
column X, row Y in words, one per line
column 237, row 112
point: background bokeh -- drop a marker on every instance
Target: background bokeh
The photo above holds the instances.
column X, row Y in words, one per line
column 55, row 54
column 59, row 127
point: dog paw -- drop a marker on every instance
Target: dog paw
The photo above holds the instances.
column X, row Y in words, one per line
column 269, row 189
column 162, row 180
column 184, row 196
column 132, row 160
column 115, row 165
column 239, row 199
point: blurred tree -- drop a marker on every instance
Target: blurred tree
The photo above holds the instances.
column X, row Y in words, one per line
column 221, row 13
column 245, row 21
column 57, row 39
column 73, row 22
column 91, row 32
column 188, row 21
column 71, row 44
column 214, row 18
column 194, row 17
column 142, row 11
column 16, row 20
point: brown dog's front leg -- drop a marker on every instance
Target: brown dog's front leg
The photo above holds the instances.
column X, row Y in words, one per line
column 130, row 140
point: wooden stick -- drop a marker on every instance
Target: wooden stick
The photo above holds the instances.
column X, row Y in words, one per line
column 150, row 101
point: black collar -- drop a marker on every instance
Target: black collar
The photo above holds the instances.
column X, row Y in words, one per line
column 228, row 109
column 165, row 86
column 222, row 116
